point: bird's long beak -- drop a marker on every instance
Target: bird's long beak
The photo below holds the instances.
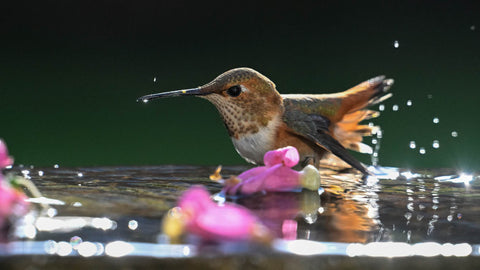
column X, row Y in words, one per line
column 199, row 91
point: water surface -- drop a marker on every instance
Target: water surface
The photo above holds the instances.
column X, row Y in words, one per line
column 108, row 212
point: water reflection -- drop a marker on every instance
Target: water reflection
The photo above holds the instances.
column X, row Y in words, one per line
column 343, row 212
column 410, row 212
column 301, row 247
column 396, row 249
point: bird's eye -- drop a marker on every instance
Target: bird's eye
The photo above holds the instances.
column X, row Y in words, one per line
column 234, row 91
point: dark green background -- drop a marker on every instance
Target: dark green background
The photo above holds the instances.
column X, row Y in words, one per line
column 70, row 72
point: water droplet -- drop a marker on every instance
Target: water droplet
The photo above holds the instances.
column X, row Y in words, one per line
column 64, row 248
column 27, row 230
column 87, row 249
column 396, row 44
column 409, row 103
column 104, row 224
column 75, row 241
column 374, row 141
column 80, row 174
column 118, row 249
column 51, row 212
column 77, row 204
column 436, row 144
column 381, row 107
column 379, row 133
column 56, row 166
column 395, row 107
column 154, row 79
column 145, row 100
column 422, row 151
column 449, row 218
column 40, row 173
column 410, row 206
column 413, row 145
column 473, row 27
column 454, row 134
column 26, row 174
column 436, row 120
column 50, row 247
column 100, row 248
column 310, row 218
column 132, row 225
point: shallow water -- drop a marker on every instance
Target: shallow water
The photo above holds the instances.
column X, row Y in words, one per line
column 109, row 212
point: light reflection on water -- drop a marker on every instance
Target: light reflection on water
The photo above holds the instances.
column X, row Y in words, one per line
column 298, row 247
column 394, row 213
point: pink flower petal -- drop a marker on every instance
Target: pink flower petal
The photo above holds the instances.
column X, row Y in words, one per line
column 249, row 174
column 226, row 222
column 277, row 175
column 288, row 156
column 12, row 203
column 289, row 229
column 257, row 182
column 196, row 199
column 275, row 178
column 282, row 179
column 5, row 160
column 216, row 222
column 252, row 179
column 252, row 172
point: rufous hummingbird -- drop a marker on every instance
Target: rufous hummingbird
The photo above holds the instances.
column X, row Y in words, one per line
column 259, row 119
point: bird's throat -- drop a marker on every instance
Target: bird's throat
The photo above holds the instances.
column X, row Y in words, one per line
column 253, row 146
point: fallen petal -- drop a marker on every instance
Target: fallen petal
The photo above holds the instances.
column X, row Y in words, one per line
column 214, row 222
column 276, row 178
column 5, row 160
column 288, row 156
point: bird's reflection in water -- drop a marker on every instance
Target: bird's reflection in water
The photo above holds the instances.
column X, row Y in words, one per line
column 346, row 211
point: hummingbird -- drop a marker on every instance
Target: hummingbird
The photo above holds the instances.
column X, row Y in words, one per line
column 259, row 119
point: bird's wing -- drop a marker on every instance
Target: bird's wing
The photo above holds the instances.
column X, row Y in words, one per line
column 315, row 127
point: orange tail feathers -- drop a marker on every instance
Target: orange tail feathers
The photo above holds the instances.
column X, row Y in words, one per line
column 366, row 94
column 347, row 130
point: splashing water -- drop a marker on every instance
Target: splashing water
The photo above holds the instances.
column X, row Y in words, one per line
column 376, row 142
column 412, row 145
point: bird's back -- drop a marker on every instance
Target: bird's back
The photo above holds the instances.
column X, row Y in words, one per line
column 323, row 117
